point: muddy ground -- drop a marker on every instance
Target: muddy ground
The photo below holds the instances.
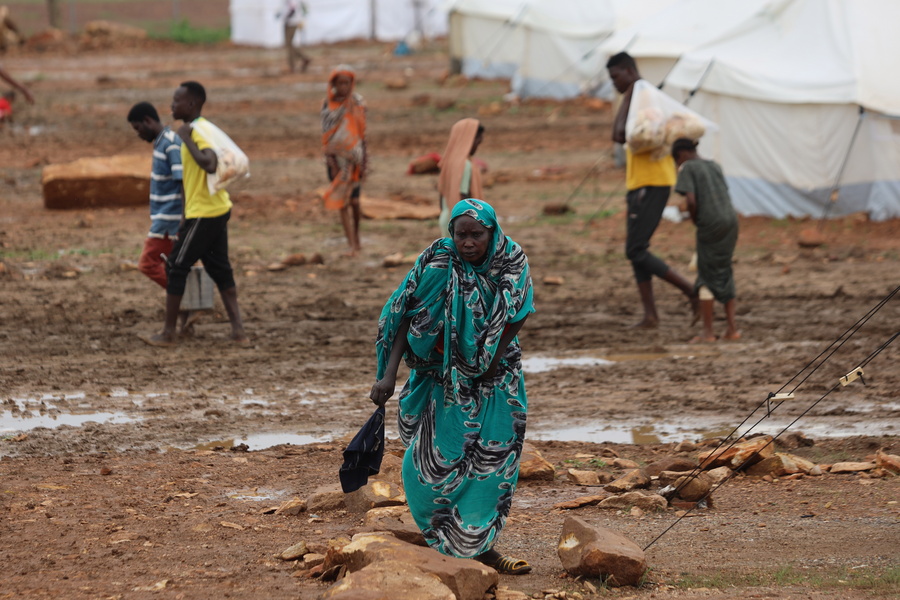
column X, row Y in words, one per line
column 116, row 473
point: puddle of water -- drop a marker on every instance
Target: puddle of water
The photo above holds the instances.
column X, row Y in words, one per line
column 17, row 421
column 622, row 434
column 44, row 411
column 698, row 429
column 261, row 441
column 256, row 495
column 541, row 364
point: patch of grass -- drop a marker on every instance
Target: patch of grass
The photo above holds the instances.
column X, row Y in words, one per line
column 818, row 455
column 182, row 31
column 555, row 220
column 718, row 580
column 88, row 251
column 788, row 576
column 44, row 254
column 781, row 223
column 32, row 254
column 594, row 463
column 603, row 214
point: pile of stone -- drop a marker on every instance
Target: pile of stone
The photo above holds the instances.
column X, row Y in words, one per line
column 388, row 553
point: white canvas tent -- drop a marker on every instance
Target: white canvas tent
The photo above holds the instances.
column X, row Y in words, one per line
column 548, row 48
column 659, row 40
column 804, row 99
column 257, row 22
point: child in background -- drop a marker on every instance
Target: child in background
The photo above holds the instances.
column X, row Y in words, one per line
column 344, row 146
column 703, row 185
column 459, row 179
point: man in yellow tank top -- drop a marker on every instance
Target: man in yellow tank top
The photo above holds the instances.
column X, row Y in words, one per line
column 203, row 233
column 648, row 183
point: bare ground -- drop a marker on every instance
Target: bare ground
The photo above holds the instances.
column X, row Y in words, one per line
column 137, row 495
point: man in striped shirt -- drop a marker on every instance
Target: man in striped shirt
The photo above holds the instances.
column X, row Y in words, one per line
column 166, row 192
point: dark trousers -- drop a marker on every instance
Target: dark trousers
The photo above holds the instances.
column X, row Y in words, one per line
column 203, row 239
column 645, row 208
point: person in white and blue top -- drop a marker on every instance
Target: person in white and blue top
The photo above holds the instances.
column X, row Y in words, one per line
column 166, row 190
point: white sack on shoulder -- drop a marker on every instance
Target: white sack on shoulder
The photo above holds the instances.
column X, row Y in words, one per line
column 655, row 120
column 231, row 162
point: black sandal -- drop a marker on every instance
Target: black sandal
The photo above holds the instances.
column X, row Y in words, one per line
column 505, row 565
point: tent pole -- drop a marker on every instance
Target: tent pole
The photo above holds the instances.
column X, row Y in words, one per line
column 836, row 186
column 372, row 23
column 699, row 81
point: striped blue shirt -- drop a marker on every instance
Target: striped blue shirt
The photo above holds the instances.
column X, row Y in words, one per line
column 166, row 200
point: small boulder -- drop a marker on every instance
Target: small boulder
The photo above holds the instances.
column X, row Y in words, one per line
column 468, row 579
column 579, row 502
column 740, row 454
column 395, row 520
column 294, row 552
column 685, row 446
column 810, row 238
column 646, row 502
column 375, row 494
column 391, row 469
column 589, row 551
column 294, row 260
column 579, row 477
column 780, row 465
column 389, row 580
column 888, row 462
column 719, row 474
column 532, row 465
column 312, row 559
column 624, row 463
column 670, row 463
column 294, row 506
column 504, row 593
column 325, row 498
column 631, row 480
column 554, row 209
column 396, row 83
column 693, row 488
column 851, row 467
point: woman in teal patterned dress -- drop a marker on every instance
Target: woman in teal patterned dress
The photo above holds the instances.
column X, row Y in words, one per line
column 462, row 412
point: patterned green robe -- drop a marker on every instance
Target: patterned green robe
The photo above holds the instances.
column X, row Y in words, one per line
column 464, row 437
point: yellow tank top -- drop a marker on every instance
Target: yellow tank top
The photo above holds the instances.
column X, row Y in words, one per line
column 641, row 170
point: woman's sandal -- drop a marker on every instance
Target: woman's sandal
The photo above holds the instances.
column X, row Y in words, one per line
column 507, row 565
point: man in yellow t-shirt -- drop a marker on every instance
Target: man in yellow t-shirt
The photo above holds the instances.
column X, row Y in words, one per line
column 648, row 183
column 203, row 234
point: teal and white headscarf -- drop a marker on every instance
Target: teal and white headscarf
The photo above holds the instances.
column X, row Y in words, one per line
column 464, row 436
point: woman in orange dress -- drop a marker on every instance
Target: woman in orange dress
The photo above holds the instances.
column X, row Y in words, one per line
column 344, row 145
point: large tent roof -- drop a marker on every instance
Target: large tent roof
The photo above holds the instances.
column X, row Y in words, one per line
column 688, row 24
column 570, row 18
column 805, row 51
